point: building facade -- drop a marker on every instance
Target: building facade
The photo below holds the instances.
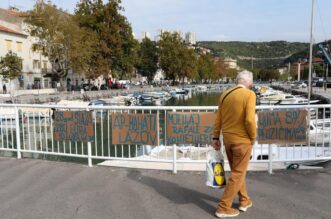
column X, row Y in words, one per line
column 231, row 63
column 146, row 35
column 190, row 38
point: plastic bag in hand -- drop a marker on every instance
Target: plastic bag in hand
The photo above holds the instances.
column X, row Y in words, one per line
column 215, row 169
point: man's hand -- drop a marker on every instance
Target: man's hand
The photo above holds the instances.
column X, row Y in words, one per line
column 217, row 145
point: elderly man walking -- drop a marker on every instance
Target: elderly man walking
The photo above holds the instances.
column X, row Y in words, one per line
column 236, row 121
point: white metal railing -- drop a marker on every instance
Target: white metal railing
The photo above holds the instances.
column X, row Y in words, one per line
column 35, row 127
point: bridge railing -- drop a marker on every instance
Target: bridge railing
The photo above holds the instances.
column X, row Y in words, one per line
column 28, row 131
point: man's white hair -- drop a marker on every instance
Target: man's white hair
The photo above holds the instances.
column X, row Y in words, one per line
column 244, row 76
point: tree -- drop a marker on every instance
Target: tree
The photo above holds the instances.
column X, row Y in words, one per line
column 188, row 62
column 10, row 65
column 206, row 68
column 116, row 48
column 221, row 69
column 169, row 49
column 59, row 37
column 269, row 74
column 147, row 64
column 176, row 59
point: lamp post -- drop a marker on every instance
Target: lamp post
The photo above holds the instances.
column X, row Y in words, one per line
column 311, row 51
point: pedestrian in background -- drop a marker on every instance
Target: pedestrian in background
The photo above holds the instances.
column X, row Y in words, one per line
column 4, row 89
column 236, row 120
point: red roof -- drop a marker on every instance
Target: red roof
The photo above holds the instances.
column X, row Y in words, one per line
column 317, row 60
column 5, row 29
column 11, row 12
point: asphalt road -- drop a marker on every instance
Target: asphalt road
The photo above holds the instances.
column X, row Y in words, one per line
column 45, row 189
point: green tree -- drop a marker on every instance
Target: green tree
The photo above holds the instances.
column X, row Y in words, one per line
column 221, row 69
column 59, row 37
column 189, row 63
column 10, row 65
column 147, row 64
column 269, row 74
column 176, row 59
column 319, row 70
column 206, row 68
column 116, row 48
column 169, row 49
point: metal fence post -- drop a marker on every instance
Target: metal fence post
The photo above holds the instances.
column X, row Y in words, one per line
column 89, row 154
column 174, row 168
column 270, row 159
column 18, row 133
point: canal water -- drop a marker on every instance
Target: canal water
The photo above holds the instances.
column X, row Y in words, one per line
column 196, row 99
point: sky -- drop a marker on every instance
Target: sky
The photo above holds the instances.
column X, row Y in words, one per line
column 221, row 20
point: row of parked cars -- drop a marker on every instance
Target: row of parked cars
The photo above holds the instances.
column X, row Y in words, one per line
column 316, row 82
column 92, row 87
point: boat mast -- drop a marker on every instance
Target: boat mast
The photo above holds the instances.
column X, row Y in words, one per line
column 311, row 51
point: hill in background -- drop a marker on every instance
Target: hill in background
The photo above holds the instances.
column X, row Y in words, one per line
column 266, row 55
column 304, row 54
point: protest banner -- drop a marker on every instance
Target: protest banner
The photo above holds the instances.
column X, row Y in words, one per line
column 73, row 126
column 190, row 128
column 282, row 126
column 140, row 129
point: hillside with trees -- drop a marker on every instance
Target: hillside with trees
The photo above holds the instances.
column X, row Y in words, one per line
column 304, row 54
column 266, row 55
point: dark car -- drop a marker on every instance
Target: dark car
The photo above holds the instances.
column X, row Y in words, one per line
column 88, row 87
column 103, row 87
column 117, row 86
column 319, row 84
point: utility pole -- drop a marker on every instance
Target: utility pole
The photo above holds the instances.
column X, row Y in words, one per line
column 311, row 51
column 299, row 70
column 327, row 71
column 252, row 63
column 289, row 76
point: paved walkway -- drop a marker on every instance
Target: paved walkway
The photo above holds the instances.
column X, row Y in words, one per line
column 44, row 189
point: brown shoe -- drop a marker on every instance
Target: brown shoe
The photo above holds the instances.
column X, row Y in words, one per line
column 244, row 207
column 228, row 213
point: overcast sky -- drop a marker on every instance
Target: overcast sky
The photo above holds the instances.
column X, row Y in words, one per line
column 221, row 20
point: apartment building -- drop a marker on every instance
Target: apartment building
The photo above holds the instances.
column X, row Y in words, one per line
column 14, row 36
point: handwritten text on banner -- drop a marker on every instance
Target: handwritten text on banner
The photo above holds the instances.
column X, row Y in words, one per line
column 282, row 126
column 190, row 128
column 140, row 129
column 73, row 126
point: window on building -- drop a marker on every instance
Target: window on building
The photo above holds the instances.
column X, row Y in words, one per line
column 36, row 64
column 8, row 44
column 19, row 46
column 36, row 83
column 21, row 60
column 46, row 83
column 44, row 65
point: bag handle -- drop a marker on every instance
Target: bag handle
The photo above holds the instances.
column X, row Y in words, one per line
column 229, row 93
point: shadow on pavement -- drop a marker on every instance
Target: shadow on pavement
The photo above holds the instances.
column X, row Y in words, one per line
column 176, row 193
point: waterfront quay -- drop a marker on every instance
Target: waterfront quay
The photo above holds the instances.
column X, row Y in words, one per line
column 47, row 189
column 317, row 92
column 36, row 97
